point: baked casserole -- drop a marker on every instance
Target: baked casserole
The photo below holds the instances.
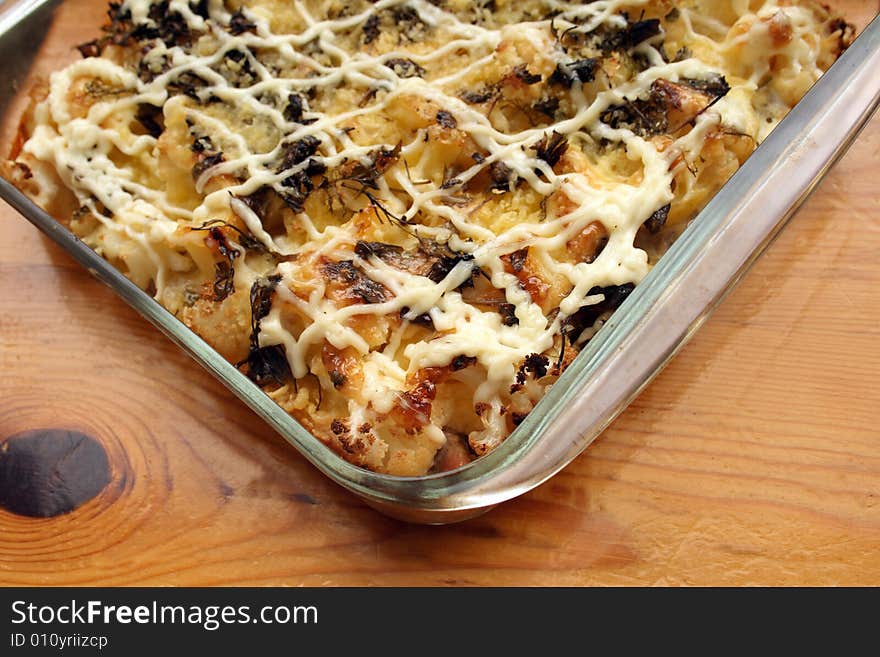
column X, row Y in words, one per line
column 404, row 219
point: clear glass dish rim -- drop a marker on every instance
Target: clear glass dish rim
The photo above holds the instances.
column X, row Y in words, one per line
column 471, row 487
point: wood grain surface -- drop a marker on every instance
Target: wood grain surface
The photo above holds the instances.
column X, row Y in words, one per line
column 753, row 459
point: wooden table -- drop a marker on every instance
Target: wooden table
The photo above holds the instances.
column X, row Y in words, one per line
column 754, row 458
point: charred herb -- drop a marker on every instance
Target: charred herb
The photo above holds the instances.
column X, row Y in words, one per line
column 224, row 270
column 446, row 120
column 536, row 364
column 384, row 159
column 444, row 265
column 355, row 282
column 172, row 27
column 188, row 84
column 191, row 297
column 200, row 8
column 582, row 70
column 297, row 152
column 477, row 97
column 656, row 221
column 265, row 365
column 715, row 86
column 249, row 242
column 424, row 320
column 371, row 29
column 550, row 148
column 517, row 260
column 410, row 25
column 207, row 161
column 151, row 67
column 224, row 280
column 533, row 364
column 405, row 68
column 239, row 23
column 587, row 316
column 258, row 201
column 202, row 144
column 268, row 365
column 548, row 107
column 644, row 117
column 91, row 48
column 366, row 174
column 508, row 314
column 430, row 260
column 298, row 186
column 293, row 111
column 379, row 249
column 650, row 116
column 261, row 303
column 632, row 35
column 522, row 73
column 151, row 118
column 462, row 362
column 237, row 68
column 592, row 257
column 502, row 177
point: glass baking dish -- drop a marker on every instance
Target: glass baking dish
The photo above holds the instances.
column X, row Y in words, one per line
column 37, row 36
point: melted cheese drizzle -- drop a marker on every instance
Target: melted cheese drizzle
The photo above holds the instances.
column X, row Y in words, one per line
column 79, row 148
